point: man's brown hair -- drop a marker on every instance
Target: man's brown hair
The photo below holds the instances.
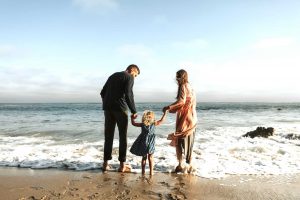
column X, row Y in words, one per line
column 133, row 66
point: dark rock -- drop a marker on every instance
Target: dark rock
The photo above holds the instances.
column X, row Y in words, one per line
column 260, row 132
column 292, row 136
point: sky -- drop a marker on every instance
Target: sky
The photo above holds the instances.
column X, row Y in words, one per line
column 233, row 50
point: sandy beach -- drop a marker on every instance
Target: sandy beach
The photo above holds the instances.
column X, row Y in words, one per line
column 32, row 184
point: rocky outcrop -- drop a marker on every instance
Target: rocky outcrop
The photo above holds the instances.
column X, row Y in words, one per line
column 260, row 132
column 292, row 136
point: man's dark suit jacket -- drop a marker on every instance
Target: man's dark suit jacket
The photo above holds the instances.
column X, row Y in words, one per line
column 117, row 92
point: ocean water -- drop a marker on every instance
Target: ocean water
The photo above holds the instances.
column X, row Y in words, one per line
column 70, row 136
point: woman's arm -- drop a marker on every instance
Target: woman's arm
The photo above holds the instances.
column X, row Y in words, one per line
column 179, row 103
column 135, row 123
column 157, row 123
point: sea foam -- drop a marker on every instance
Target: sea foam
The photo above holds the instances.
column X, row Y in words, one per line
column 70, row 136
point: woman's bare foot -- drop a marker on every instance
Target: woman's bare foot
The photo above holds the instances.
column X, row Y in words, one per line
column 179, row 169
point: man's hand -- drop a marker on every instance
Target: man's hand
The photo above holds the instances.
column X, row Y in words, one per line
column 134, row 115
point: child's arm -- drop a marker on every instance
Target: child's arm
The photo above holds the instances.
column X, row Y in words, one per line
column 157, row 123
column 135, row 123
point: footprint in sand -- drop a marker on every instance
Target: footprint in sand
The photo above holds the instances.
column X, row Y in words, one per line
column 37, row 187
column 28, row 198
column 45, row 198
column 73, row 189
column 106, row 179
column 180, row 184
column 94, row 196
column 87, row 177
column 176, row 197
column 165, row 183
column 149, row 192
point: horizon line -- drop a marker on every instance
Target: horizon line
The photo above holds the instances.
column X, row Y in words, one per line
column 86, row 102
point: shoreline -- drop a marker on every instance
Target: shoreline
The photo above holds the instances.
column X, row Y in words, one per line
column 26, row 183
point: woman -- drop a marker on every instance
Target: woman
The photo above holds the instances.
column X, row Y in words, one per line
column 186, row 120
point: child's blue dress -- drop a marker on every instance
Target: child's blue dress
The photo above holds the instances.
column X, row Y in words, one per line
column 145, row 142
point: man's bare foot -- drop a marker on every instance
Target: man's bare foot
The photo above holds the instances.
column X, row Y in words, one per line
column 124, row 168
column 105, row 166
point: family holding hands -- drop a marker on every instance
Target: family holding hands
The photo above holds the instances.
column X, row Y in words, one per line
column 117, row 96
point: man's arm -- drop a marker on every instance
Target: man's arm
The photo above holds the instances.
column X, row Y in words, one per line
column 103, row 91
column 129, row 95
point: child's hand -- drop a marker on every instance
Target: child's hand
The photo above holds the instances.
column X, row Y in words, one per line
column 133, row 117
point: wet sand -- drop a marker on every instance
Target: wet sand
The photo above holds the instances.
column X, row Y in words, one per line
column 32, row 184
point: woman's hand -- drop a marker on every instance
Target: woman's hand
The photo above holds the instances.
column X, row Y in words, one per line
column 165, row 109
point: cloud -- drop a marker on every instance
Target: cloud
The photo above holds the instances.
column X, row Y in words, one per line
column 273, row 42
column 97, row 6
column 25, row 84
column 248, row 76
column 191, row 44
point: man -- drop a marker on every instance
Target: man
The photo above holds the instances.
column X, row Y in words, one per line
column 117, row 97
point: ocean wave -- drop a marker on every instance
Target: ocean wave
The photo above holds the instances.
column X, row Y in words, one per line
column 213, row 158
column 70, row 136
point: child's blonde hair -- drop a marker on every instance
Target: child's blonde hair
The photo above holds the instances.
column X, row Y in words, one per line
column 148, row 117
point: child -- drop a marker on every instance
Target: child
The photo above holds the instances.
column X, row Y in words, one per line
column 144, row 145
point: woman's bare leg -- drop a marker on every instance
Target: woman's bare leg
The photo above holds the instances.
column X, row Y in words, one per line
column 179, row 158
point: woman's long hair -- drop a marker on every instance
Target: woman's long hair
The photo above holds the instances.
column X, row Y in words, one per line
column 181, row 78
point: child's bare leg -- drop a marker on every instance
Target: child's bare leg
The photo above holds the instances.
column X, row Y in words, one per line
column 150, row 159
column 144, row 160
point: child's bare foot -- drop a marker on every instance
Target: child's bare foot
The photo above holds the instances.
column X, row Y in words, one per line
column 190, row 168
